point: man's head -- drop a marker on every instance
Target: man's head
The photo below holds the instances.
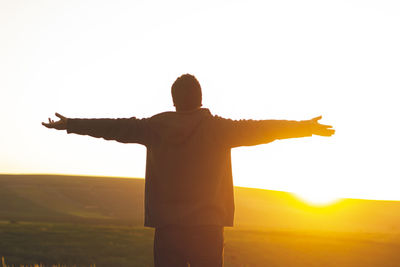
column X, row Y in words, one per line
column 186, row 93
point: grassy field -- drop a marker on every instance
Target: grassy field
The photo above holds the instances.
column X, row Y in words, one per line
column 74, row 244
column 85, row 245
column 82, row 221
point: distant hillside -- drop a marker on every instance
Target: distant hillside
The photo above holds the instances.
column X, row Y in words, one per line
column 106, row 200
column 71, row 198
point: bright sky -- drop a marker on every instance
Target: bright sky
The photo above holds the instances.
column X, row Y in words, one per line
column 254, row 59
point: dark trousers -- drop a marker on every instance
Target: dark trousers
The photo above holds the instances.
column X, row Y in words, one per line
column 194, row 246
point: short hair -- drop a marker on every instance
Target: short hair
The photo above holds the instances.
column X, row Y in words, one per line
column 186, row 93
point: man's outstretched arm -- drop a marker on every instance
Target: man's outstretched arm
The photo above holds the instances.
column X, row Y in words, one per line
column 255, row 132
column 128, row 130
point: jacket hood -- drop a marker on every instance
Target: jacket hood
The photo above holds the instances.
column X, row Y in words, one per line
column 177, row 127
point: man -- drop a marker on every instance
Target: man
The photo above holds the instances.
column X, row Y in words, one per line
column 189, row 189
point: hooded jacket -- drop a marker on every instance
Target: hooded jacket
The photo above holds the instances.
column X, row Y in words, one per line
column 188, row 165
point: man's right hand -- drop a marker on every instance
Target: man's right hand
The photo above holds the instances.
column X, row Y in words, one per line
column 319, row 129
column 59, row 125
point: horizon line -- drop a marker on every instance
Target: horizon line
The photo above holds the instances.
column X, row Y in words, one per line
column 142, row 178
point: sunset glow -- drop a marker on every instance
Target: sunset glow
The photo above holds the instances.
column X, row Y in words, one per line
column 317, row 198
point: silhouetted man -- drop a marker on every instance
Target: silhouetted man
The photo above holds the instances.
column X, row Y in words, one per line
column 189, row 189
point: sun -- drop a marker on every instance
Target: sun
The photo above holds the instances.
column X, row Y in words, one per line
column 317, row 198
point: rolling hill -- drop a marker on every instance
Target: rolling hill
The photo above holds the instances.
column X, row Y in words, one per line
column 110, row 200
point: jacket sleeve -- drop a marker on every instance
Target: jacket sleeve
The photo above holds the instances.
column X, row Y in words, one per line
column 127, row 130
column 254, row 132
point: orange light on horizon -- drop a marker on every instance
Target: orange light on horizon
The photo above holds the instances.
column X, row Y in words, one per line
column 317, row 198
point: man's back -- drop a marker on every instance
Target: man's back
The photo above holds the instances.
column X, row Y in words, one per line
column 188, row 171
